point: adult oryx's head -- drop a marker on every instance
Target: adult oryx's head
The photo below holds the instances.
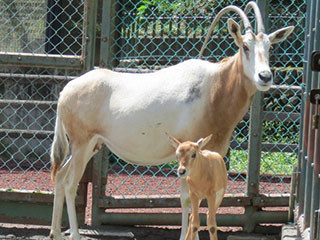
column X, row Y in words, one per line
column 253, row 48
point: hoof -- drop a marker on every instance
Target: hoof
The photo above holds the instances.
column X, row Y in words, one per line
column 55, row 235
column 74, row 236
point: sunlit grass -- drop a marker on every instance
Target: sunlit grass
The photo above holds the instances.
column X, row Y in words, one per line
column 278, row 163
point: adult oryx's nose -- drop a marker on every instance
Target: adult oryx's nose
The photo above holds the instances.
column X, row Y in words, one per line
column 265, row 76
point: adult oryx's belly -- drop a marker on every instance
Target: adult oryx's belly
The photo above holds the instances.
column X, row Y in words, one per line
column 137, row 132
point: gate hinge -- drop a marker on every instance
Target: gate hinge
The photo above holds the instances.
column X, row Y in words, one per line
column 315, row 61
column 315, row 99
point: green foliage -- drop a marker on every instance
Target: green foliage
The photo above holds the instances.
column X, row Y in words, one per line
column 277, row 163
column 168, row 7
column 280, row 132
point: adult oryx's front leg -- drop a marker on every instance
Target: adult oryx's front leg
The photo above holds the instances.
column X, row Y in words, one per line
column 185, row 205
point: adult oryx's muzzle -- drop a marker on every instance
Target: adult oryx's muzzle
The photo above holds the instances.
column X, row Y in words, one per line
column 265, row 76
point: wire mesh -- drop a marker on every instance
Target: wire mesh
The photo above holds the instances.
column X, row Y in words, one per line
column 28, row 95
column 146, row 35
column 154, row 34
column 38, row 26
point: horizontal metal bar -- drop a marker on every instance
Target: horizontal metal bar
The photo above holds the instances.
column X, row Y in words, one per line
column 28, row 207
column 34, row 78
column 41, row 60
column 281, row 116
column 279, row 89
column 27, row 213
column 16, row 133
column 28, row 104
column 271, row 201
column 32, row 196
column 167, row 202
column 175, row 218
column 267, row 147
column 277, row 116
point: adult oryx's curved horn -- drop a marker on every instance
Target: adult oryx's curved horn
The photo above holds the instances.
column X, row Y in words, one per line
column 257, row 13
column 223, row 11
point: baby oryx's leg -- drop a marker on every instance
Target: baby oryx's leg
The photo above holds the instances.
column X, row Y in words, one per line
column 211, row 217
column 214, row 202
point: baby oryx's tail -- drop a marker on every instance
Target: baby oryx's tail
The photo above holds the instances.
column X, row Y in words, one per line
column 59, row 148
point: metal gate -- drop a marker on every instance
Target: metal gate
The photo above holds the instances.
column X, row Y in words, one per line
column 147, row 35
column 139, row 36
column 308, row 174
column 44, row 44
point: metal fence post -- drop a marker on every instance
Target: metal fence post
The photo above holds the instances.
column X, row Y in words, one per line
column 255, row 139
column 97, row 187
column 109, row 34
column 89, row 35
column 106, row 37
column 315, row 150
column 304, row 130
column 254, row 148
column 310, row 143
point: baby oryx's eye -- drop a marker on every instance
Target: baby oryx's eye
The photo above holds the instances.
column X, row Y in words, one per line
column 194, row 155
column 245, row 48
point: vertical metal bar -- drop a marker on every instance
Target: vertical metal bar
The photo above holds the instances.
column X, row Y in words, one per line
column 89, row 33
column 96, row 187
column 316, row 157
column 105, row 33
column 255, row 138
column 310, row 143
column 110, row 34
column 316, row 184
column 254, row 148
column 105, row 167
column 254, row 156
column 304, row 120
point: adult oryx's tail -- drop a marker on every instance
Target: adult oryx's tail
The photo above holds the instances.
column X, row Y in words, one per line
column 59, row 148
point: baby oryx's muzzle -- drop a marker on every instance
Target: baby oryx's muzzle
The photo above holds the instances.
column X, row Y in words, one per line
column 181, row 172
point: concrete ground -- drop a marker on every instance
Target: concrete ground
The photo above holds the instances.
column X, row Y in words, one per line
column 289, row 232
column 35, row 232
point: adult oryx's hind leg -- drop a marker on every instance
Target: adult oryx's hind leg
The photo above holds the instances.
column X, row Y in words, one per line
column 66, row 184
column 81, row 154
column 59, row 194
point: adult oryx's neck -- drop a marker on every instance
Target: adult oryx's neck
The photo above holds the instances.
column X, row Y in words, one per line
column 230, row 97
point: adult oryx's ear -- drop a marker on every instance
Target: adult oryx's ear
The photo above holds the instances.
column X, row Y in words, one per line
column 280, row 34
column 235, row 31
column 202, row 142
column 174, row 142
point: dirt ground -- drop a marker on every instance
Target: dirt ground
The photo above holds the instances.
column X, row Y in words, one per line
column 35, row 232
column 169, row 185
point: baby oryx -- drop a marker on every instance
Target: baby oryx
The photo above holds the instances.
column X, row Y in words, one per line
column 206, row 175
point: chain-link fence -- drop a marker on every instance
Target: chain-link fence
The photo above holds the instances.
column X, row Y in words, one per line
column 28, row 91
column 154, row 34
column 144, row 36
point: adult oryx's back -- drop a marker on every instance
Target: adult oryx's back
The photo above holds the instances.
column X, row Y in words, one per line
column 130, row 112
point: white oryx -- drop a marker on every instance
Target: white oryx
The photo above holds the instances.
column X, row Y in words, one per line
column 130, row 112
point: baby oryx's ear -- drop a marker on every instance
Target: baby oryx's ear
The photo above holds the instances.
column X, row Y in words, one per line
column 235, row 31
column 202, row 142
column 280, row 34
column 174, row 142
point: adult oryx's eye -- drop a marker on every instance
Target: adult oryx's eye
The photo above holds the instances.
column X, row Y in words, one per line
column 194, row 155
column 245, row 48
